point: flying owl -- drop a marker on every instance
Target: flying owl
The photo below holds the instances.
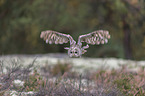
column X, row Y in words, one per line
column 76, row 50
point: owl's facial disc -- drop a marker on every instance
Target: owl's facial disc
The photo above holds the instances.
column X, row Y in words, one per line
column 74, row 52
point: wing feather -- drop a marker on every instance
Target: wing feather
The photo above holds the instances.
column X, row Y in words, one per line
column 53, row 37
column 96, row 37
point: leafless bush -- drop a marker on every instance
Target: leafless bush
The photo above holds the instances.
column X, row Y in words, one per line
column 14, row 70
column 64, row 82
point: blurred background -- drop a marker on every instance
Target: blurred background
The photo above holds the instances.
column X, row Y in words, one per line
column 21, row 22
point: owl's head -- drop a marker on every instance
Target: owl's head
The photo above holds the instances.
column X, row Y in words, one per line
column 74, row 51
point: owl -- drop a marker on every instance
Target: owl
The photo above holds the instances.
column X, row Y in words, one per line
column 76, row 49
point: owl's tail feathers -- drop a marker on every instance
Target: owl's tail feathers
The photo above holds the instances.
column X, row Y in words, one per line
column 67, row 48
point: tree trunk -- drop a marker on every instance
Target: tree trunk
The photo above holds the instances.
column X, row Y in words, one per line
column 127, row 40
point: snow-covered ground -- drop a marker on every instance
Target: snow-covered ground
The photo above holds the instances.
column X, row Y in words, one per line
column 79, row 64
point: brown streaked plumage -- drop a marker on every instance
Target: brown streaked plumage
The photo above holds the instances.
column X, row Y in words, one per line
column 76, row 50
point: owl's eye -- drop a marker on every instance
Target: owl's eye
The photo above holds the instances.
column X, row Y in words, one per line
column 76, row 52
column 71, row 52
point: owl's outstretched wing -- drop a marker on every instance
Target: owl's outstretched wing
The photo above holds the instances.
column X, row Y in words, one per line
column 96, row 37
column 53, row 37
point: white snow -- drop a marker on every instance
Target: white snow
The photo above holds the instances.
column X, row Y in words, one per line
column 18, row 82
column 79, row 64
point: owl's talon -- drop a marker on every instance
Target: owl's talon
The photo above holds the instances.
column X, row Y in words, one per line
column 85, row 47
